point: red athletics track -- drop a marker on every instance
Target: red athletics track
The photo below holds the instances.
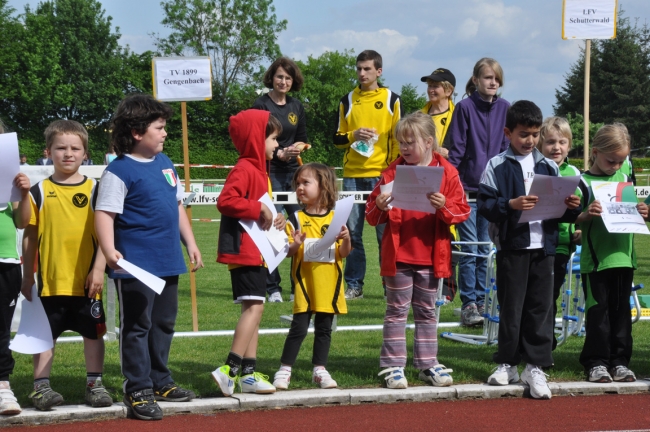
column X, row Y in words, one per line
column 584, row 413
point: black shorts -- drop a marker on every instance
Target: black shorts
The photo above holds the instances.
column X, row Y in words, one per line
column 80, row 314
column 249, row 283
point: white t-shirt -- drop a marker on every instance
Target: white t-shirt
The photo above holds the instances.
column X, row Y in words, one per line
column 528, row 170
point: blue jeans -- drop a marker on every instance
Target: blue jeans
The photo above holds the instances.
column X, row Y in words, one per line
column 355, row 264
column 472, row 270
column 280, row 182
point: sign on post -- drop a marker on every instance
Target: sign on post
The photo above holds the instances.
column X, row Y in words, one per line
column 589, row 19
column 180, row 79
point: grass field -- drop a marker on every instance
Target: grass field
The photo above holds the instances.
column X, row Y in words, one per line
column 354, row 356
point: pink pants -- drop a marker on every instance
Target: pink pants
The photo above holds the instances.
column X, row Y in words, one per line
column 412, row 285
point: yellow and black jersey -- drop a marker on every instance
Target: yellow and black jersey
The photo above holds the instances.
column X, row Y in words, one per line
column 441, row 120
column 318, row 279
column 67, row 244
column 379, row 109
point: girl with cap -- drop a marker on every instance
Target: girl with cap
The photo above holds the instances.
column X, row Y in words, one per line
column 440, row 88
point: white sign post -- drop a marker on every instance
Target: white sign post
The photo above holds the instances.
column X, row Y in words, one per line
column 588, row 19
column 182, row 79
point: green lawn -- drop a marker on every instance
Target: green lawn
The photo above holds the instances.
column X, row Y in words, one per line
column 354, row 355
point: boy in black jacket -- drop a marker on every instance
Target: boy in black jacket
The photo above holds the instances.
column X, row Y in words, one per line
column 525, row 252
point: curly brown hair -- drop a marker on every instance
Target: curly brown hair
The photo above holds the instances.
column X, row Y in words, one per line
column 326, row 179
column 135, row 113
column 292, row 69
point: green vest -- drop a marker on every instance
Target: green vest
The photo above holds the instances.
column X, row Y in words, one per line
column 8, row 237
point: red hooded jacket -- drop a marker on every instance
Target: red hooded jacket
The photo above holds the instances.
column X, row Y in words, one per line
column 456, row 210
column 245, row 185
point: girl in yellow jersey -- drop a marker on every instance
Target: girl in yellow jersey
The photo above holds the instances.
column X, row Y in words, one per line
column 318, row 277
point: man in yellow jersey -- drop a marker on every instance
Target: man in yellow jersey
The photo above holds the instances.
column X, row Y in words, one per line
column 367, row 118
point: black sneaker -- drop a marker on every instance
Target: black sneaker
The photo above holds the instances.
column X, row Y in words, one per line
column 142, row 405
column 44, row 398
column 172, row 393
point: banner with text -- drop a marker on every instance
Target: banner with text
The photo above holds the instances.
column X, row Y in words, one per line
column 589, row 19
column 180, row 79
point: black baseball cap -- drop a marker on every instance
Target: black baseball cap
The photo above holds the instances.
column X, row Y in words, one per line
column 440, row 74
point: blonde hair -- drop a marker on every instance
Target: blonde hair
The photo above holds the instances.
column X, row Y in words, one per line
column 62, row 127
column 418, row 125
column 557, row 124
column 610, row 138
column 470, row 87
column 446, row 85
column 326, row 179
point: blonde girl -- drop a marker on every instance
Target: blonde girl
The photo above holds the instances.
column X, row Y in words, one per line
column 474, row 137
column 317, row 277
column 607, row 262
column 416, row 253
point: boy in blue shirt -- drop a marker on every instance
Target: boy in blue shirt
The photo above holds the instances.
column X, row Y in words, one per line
column 140, row 217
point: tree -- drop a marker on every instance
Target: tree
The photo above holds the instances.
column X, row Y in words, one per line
column 410, row 99
column 237, row 35
column 10, row 49
column 620, row 78
column 70, row 66
column 328, row 78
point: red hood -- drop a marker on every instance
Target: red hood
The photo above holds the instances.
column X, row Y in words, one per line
column 248, row 132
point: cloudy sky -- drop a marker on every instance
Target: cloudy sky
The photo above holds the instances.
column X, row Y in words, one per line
column 414, row 36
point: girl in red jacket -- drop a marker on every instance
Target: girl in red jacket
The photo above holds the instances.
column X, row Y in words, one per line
column 416, row 253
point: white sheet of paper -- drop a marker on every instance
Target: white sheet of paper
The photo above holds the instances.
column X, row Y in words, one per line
column 272, row 257
column 619, row 209
column 342, row 211
column 9, row 167
column 412, row 184
column 387, row 189
column 153, row 282
column 34, row 334
column 551, row 192
column 277, row 238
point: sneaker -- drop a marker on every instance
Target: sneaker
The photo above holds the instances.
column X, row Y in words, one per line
column 394, row 378
column 599, row 374
column 172, row 393
column 281, row 379
column 323, row 379
column 480, row 309
column 256, row 383
column 353, row 293
column 536, row 380
column 276, row 297
column 469, row 316
column 44, row 398
column 437, row 376
column 504, row 374
column 8, row 403
column 223, row 379
column 622, row 374
column 97, row 396
column 142, row 405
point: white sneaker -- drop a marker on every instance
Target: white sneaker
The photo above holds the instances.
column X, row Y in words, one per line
column 437, row 376
column 323, row 379
column 599, row 374
column 504, row 374
column 256, row 383
column 394, row 378
column 223, row 379
column 276, row 297
column 536, row 380
column 618, row 373
column 8, row 403
column 281, row 379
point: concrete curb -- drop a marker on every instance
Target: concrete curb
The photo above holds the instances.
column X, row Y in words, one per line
column 317, row 397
